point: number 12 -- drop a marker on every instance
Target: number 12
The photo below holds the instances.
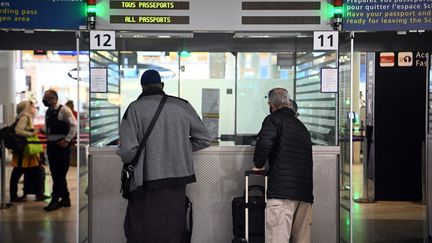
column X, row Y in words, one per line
column 98, row 37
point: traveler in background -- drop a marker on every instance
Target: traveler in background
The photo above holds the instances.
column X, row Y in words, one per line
column 25, row 113
column 285, row 142
column 156, row 207
column 294, row 107
column 70, row 104
column 60, row 127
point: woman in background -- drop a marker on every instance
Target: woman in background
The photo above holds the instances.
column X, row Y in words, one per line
column 20, row 162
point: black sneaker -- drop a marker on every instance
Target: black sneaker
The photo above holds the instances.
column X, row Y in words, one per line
column 65, row 202
column 53, row 205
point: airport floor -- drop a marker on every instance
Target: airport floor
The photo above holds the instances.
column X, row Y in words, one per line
column 386, row 221
column 27, row 222
column 379, row 222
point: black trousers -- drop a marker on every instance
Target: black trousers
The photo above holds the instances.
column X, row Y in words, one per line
column 156, row 216
column 17, row 172
column 59, row 159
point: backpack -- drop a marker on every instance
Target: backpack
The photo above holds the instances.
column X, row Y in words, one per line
column 11, row 140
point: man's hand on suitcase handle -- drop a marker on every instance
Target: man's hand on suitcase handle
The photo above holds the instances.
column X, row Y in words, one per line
column 258, row 171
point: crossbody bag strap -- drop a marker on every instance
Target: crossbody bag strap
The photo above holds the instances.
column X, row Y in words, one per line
column 133, row 163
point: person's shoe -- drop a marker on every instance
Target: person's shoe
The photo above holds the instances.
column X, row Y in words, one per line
column 65, row 202
column 42, row 197
column 18, row 199
column 53, row 205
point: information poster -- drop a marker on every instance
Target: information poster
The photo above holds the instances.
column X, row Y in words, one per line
column 1, row 114
column 329, row 80
column 42, row 14
column 387, row 15
column 98, row 80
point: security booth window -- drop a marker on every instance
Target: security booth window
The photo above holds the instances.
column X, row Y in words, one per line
column 228, row 90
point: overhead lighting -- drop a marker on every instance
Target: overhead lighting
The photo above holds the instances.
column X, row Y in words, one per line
column 151, row 53
column 272, row 35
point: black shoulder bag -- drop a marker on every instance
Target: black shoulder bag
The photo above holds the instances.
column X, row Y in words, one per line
column 127, row 173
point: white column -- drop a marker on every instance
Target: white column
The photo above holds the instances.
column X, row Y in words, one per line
column 7, row 84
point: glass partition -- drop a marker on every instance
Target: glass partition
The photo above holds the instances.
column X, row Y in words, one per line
column 83, row 109
column 207, row 81
column 317, row 110
column 105, row 106
column 344, row 143
column 257, row 74
column 228, row 90
column 133, row 64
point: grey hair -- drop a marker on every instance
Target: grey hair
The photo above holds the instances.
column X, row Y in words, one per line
column 279, row 97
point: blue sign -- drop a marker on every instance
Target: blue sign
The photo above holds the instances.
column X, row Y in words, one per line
column 42, row 14
column 381, row 15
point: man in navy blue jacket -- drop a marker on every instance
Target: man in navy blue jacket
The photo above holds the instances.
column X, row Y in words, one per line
column 285, row 142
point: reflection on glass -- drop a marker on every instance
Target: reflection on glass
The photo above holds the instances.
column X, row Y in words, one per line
column 317, row 110
column 207, row 81
column 105, row 107
column 133, row 64
column 228, row 91
column 344, row 108
column 258, row 73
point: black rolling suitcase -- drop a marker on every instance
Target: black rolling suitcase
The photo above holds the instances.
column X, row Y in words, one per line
column 248, row 212
column 34, row 180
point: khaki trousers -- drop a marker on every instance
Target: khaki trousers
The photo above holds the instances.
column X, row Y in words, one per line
column 288, row 221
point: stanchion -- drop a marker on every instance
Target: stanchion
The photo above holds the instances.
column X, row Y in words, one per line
column 365, row 198
column 3, row 204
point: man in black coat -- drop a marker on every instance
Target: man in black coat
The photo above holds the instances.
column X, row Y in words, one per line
column 285, row 142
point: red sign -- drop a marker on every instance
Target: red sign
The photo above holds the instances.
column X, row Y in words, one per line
column 387, row 59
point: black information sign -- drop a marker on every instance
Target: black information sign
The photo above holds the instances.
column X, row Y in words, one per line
column 148, row 19
column 281, row 5
column 154, row 5
column 281, row 20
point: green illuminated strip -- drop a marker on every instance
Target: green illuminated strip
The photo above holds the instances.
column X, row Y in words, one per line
column 329, row 11
column 91, row 9
column 338, row 10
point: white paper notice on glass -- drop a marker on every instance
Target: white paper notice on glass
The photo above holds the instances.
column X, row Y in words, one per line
column 1, row 114
column 329, row 80
column 98, row 80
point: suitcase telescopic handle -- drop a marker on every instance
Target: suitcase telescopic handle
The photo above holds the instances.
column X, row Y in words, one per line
column 256, row 172
column 247, row 174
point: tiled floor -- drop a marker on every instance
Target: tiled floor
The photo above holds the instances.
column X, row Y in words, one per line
column 26, row 222
column 384, row 222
